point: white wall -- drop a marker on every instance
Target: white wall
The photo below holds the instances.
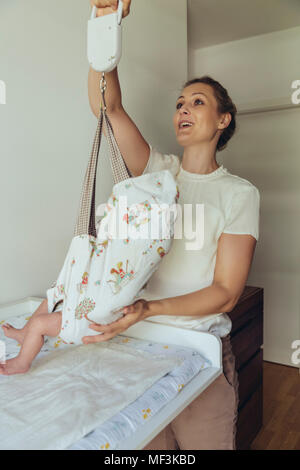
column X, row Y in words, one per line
column 47, row 127
column 265, row 150
column 254, row 69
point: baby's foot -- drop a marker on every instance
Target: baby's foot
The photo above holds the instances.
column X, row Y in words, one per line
column 14, row 333
column 14, row 366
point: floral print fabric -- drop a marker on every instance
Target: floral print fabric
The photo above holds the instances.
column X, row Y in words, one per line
column 102, row 274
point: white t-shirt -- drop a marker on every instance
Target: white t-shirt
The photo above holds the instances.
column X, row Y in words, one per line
column 230, row 205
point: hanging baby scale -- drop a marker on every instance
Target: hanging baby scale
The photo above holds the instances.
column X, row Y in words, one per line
column 105, row 270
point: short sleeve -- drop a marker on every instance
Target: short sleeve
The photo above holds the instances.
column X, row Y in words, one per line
column 158, row 161
column 243, row 218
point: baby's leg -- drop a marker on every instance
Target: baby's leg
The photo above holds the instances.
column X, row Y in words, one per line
column 19, row 333
column 43, row 324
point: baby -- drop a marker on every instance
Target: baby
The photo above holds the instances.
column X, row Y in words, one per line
column 31, row 338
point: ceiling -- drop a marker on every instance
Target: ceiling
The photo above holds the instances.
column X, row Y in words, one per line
column 217, row 21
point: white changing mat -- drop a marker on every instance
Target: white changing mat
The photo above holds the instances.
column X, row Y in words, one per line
column 68, row 393
column 124, row 422
column 111, row 434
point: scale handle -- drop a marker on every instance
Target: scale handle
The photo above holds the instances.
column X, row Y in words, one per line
column 119, row 12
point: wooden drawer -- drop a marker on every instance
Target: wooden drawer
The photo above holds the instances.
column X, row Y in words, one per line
column 250, row 420
column 250, row 377
column 250, row 302
column 247, row 342
column 238, row 323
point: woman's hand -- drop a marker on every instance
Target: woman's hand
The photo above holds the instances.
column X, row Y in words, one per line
column 132, row 314
column 105, row 7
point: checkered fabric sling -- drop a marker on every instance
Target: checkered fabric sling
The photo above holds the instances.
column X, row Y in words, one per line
column 86, row 216
column 86, row 223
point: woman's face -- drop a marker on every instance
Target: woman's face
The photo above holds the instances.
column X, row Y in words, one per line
column 197, row 106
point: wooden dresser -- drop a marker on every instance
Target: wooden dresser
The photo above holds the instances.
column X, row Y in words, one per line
column 247, row 339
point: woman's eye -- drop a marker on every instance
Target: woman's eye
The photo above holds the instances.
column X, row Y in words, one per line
column 178, row 106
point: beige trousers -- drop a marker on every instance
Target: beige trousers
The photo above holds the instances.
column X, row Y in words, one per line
column 209, row 422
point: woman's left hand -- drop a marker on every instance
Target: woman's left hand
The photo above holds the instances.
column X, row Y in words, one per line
column 132, row 314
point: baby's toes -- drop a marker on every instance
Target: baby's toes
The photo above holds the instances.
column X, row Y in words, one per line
column 9, row 331
column 5, row 327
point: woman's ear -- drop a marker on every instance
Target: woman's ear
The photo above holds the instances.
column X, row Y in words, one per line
column 225, row 121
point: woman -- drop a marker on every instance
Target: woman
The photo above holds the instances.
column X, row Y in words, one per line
column 192, row 288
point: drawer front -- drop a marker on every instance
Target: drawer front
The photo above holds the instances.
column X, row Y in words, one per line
column 250, row 377
column 247, row 341
column 250, row 420
column 252, row 299
column 238, row 322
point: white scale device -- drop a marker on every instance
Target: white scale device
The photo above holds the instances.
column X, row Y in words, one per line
column 104, row 41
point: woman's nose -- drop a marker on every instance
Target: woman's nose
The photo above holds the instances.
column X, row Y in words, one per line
column 184, row 110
